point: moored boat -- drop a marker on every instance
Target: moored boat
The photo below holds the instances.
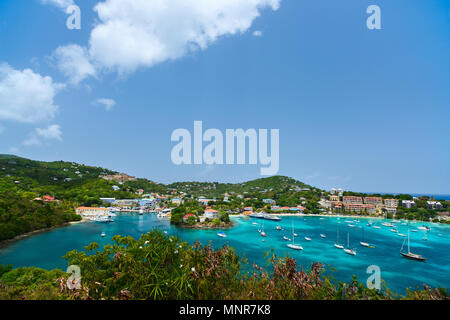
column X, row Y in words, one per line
column 409, row 254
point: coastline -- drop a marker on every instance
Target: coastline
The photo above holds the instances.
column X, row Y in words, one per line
column 5, row 243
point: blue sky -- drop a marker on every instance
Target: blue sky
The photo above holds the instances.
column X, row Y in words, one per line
column 365, row 110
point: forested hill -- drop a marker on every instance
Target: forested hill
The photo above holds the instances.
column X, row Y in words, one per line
column 70, row 181
column 83, row 184
column 263, row 185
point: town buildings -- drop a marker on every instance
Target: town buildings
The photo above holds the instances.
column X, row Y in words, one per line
column 91, row 213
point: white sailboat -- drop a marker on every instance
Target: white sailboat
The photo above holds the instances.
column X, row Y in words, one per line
column 348, row 250
column 293, row 245
column 363, row 243
column 337, row 244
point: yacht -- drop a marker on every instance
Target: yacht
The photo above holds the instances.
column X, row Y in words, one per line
column 292, row 245
column 348, row 250
column 411, row 255
column 337, row 245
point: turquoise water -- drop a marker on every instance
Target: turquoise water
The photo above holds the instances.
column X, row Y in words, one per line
column 45, row 250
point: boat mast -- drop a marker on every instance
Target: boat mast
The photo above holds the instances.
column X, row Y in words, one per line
column 409, row 250
column 292, row 222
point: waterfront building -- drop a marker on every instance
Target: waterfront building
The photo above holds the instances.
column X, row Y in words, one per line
column 90, row 212
column 336, row 205
column 211, row 214
column 126, row 203
column 391, row 210
column 358, row 207
column 377, row 201
column 147, row 203
column 352, row 200
column 435, row 205
column 408, row 204
column 334, row 197
column 391, row 203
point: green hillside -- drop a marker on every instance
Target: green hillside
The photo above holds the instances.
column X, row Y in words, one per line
column 23, row 180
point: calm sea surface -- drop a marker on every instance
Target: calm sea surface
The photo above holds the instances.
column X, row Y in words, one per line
column 45, row 250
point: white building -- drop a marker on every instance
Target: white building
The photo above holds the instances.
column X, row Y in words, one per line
column 408, row 204
column 89, row 212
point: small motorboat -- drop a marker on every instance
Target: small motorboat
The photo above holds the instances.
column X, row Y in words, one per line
column 351, row 225
column 279, row 228
column 103, row 234
column 401, row 234
column 307, row 239
column 222, row 235
column 323, row 236
column 263, row 234
column 339, row 246
column 295, row 235
column 376, row 227
column 394, row 230
column 286, row 238
column 364, row 244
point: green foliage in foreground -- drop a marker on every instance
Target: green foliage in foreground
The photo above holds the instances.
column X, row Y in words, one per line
column 161, row 267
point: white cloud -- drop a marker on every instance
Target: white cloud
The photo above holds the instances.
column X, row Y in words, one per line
column 63, row 4
column 73, row 62
column 32, row 141
column 108, row 103
column 26, row 96
column 257, row 33
column 142, row 33
column 52, row 132
column 37, row 138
